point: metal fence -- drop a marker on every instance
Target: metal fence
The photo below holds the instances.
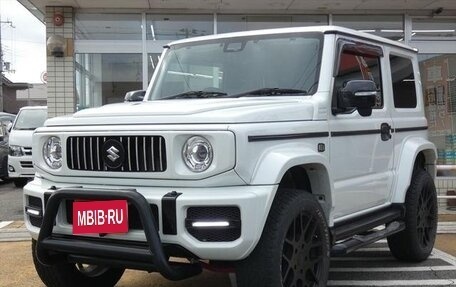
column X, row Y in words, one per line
column 446, row 194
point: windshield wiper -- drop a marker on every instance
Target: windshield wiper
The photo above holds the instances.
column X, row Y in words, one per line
column 268, row 92
column 196, row 95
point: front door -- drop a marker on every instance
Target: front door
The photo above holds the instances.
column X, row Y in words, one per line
column 361, row 153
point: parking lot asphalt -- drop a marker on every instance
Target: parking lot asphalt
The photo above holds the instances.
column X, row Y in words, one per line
column 10, row 202
column 371, row 266
column 16, row 270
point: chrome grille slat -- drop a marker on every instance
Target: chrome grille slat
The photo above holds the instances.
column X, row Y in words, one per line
column 91, row 154
column 86, row 153
column 77, row 153
column 98, row 154
column 121, row 141
column 136, row 151
column 152, row 153
column 129, row 155
column 71, row 152
column 160, row 153
column 145, row 154
column 105, row 167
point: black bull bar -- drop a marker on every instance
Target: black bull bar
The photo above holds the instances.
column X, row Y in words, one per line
column 53, row 249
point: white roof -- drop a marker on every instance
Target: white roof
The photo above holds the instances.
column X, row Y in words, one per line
column 322, row 29
column 34, row 108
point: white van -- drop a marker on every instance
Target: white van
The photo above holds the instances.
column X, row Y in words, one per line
column 20, row 165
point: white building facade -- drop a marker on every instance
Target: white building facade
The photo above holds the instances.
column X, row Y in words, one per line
column 113, row 46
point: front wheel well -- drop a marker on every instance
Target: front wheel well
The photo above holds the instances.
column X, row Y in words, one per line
column 312, row 178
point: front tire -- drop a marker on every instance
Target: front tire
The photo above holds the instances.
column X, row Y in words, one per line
column 75, row 275
column 294, row 248
column 415, row 243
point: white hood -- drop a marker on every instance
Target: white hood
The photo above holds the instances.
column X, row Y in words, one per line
column 21, row 138
column 239, row 110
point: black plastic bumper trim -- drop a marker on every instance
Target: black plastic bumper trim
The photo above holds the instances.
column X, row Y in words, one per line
column 53, row 250
column 169, row 220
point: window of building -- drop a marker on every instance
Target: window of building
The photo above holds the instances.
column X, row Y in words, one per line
column 387, row 26
column 438, row 76
column 236, row 23
column 174, row 27
column 105, row 78
column 95, row 26
column 433, row 28
column 404, row 91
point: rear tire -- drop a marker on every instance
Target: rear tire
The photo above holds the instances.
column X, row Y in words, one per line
column 294, row 248
column 75, row 275
column 415, row 243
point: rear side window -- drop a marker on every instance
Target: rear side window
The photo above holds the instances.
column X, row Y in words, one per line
column 403, row 80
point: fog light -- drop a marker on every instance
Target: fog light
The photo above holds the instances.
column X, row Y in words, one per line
column 210, row 224
column 11, row 168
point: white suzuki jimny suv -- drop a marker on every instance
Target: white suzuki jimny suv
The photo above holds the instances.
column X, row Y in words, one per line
column 261, row 152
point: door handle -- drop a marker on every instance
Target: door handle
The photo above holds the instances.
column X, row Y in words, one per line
column 385, row 131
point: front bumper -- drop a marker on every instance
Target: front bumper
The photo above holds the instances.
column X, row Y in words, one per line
column 22, row 165
column 253, row 202
column 52, row 249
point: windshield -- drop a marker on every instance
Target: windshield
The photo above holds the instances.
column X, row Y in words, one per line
column 30, row 119
column 265, row 65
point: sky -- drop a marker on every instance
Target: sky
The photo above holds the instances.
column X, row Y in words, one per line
column 25, row 45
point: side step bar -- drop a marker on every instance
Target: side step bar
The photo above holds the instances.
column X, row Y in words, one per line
column 359, row 241
column 351, row 227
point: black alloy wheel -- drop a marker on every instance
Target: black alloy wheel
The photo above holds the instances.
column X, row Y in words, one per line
column 294, row 247
column 426, row 218
column 415, row 242
column 302, row 252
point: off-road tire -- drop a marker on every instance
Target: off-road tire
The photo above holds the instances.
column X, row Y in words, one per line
column 286, row 256
column 68, row 275
column 20, row 182
column 415, row 243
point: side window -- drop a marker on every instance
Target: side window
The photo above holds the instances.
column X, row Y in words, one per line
column 357, row 66
column 403, row 80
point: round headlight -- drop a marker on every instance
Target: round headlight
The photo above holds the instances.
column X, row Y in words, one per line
column 52, row 152
column 198, row 154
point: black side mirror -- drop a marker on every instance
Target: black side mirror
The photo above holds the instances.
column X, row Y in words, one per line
column 358, row 94
column 135, row 96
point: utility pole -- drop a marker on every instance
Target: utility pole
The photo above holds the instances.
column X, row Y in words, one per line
column 1, row 62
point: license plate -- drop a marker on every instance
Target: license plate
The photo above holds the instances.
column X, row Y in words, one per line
column 109, row 216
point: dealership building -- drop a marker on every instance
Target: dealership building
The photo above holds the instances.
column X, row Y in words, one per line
column 113, row 46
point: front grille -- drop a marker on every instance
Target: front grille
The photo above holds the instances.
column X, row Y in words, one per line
column 231, row 214
column 134, row 220
column 26, row 164
column 141, row 153
column 27, row 150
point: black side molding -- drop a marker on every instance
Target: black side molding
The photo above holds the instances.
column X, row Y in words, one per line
column 411, row 129
column 287, row 136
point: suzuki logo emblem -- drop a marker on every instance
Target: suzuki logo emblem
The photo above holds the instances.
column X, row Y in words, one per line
column 112, row 153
